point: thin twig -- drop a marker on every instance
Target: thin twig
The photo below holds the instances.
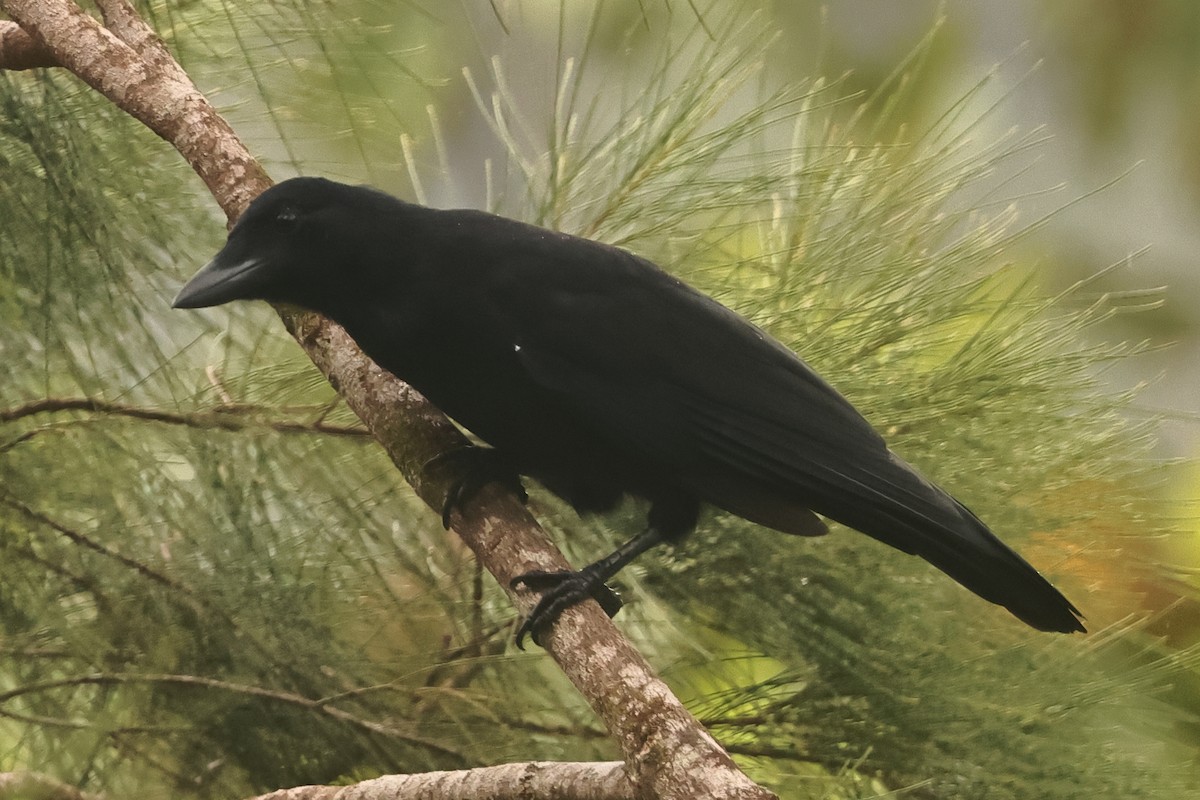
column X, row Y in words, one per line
column 180, row 592
column 290, row 698
column 88, row 542
column 229, row 416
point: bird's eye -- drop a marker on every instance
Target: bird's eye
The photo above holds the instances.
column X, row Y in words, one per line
column 287, row 215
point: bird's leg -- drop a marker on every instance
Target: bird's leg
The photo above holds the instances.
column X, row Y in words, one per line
column 563, row 589
column 480, row 466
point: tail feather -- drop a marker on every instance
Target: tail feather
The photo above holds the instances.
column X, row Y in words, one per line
column 845, row 472
column 917, row 517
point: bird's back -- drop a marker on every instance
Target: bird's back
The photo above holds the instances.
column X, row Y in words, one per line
column 591, row 364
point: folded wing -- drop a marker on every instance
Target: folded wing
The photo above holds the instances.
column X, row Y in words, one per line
column 736, row 418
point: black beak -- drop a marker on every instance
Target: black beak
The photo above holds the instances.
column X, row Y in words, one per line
column 220, row 281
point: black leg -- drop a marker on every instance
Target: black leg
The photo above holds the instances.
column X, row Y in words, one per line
column 564, row 589
column 480, row 466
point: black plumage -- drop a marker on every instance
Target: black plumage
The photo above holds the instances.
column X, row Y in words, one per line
column 598, row 374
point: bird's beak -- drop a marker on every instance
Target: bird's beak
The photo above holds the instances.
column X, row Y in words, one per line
column 219, row 281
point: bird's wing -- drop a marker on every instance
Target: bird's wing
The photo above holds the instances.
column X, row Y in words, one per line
column 670, row 375
column 684, row 383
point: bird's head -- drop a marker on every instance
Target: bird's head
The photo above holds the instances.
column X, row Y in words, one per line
column 295, row 243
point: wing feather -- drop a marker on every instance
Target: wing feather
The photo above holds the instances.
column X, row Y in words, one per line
column 701, row 394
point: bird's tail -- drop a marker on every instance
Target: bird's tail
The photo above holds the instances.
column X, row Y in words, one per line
column 911, row 514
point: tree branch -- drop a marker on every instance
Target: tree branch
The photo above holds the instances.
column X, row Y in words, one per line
column 19, row 50
column 160, row 96
column 122, row 19
column 83, row 540
column 667, row 753
column 227, row 416
column 559, row 779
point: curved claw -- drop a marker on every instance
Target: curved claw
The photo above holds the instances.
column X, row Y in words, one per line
column 562, row 589
column 482, row 465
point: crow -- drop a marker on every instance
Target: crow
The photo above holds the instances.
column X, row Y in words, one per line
column 600, row 375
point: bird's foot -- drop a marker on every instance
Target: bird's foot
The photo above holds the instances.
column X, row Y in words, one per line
column 479, row 467
column 562, row 589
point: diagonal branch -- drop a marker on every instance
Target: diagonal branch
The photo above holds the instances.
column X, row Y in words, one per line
column 227, row 416
column 320, row 706
column 161, row 97
column 85, row 541
column 667, row 753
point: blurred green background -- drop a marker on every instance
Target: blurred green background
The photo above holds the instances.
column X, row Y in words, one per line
column 924, row 199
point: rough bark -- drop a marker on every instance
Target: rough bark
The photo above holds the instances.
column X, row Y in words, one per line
column 563, row 780
column 667, row 753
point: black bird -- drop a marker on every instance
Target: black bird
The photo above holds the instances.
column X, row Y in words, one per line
column 599, row 375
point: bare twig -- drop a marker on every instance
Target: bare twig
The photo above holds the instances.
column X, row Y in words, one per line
column 102, row 549
column 289, row 698
column 229, row 417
